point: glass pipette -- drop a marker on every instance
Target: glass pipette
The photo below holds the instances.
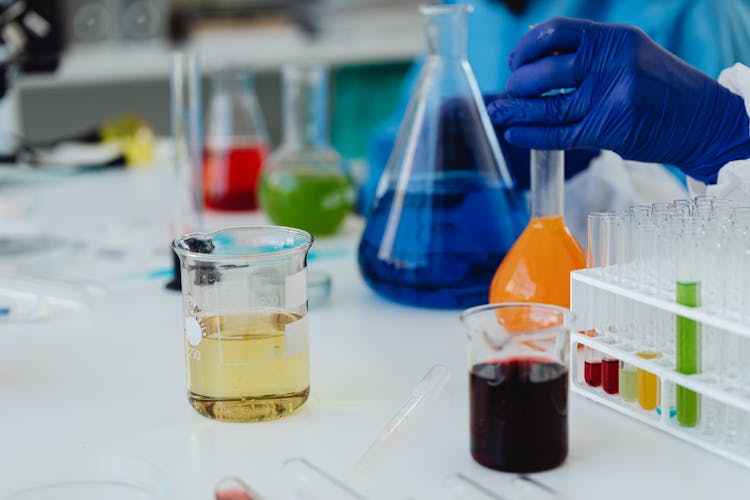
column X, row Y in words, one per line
column 308, row 482
column 426, row 390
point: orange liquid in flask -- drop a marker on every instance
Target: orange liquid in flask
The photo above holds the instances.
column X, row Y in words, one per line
column 537, row 267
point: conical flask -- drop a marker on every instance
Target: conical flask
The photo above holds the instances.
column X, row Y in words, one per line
column 236, row 142
column 537, row 268
column 445, row 212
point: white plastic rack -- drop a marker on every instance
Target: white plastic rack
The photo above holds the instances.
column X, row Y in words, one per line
column 590, row 289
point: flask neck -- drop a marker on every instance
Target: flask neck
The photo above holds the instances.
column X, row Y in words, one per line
column 305, row 107
column 547, row 178
column 446, row 30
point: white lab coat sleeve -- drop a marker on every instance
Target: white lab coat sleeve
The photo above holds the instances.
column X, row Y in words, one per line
column 733, row 181
column 611, row 183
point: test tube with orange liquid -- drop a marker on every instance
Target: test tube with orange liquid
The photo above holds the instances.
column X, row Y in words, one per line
column 537, row 267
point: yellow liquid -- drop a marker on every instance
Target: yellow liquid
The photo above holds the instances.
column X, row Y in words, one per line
column 242, row 371
column 648, row 385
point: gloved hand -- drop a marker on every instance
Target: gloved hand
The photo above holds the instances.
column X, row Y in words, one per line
column 519, row 159
column 629, row 95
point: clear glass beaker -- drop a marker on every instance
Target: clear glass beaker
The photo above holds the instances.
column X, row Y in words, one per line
column 537, row 268
column 518, row 372
column 236, row 142
column 445, row 212
column 304, row 183
column 246, row 332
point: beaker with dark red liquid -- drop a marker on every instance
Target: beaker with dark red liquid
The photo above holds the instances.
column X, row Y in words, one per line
column 518, row 385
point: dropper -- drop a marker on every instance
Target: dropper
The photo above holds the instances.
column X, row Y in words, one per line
column 426, row 390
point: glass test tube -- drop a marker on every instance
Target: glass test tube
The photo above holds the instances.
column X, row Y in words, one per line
column 640, row 232
column 664, row 258
column 623, row 307
column 739, row 247
column 597, row 250
column 688, row 332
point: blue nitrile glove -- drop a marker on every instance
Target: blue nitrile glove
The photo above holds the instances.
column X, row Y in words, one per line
column 519, row 159
column 629, row 95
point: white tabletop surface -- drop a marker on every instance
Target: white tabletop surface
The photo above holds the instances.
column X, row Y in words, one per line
column 112, row 379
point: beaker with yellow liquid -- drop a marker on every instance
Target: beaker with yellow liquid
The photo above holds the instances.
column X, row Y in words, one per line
column 246, row 331
column 537, row 267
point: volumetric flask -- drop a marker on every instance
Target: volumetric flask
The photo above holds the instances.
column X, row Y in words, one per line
column 537, row 268
column 304, row 184
column 518, row 372
column 236, row 142
column 246, row 332
column 445, row 212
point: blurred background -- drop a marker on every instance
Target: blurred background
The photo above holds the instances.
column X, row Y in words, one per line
column 106, row 58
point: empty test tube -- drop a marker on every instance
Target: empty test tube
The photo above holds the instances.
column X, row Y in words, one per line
column 308, row 482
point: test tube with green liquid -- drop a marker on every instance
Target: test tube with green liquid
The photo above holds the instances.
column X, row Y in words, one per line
column 688, row 332
column 688, row 353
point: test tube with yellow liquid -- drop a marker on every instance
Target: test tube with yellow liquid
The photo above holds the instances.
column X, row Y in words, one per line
column 643, row 249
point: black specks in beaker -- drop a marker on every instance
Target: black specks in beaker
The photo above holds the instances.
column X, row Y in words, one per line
column 205, row 273
column 200, row 245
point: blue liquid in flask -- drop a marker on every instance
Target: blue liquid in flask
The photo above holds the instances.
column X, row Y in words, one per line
column 445, row 213
column 443, row 254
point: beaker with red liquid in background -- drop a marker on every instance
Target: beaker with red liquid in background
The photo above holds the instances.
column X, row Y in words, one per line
column 518, row 373
column 236, row 143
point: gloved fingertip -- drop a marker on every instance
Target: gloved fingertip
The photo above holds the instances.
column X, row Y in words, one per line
column 497, row 112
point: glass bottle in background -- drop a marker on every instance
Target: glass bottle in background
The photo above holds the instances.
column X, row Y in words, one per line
column 445, row 212
column 236, row 143
column 304, row 184
column 537, row 268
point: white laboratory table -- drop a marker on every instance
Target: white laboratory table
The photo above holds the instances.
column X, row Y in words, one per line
column 111, row 379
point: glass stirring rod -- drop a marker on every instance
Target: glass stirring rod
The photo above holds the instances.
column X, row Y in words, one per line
column 306, row 481
column 426, row 390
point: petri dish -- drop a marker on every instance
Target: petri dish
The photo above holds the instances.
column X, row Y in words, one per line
column 88, row 478
column 318, row 288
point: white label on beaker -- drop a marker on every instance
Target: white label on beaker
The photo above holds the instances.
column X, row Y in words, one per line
column 193, row 331
column 296, row 337
column 296, row 289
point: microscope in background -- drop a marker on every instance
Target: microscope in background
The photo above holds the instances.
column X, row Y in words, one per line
column 31, row 41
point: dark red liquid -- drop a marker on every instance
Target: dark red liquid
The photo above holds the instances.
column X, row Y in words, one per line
column 592, row 373
column 230, row 177
column 610, row 376
column 519, row 414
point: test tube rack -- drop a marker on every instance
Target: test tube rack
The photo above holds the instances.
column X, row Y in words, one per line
column 588, row 283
